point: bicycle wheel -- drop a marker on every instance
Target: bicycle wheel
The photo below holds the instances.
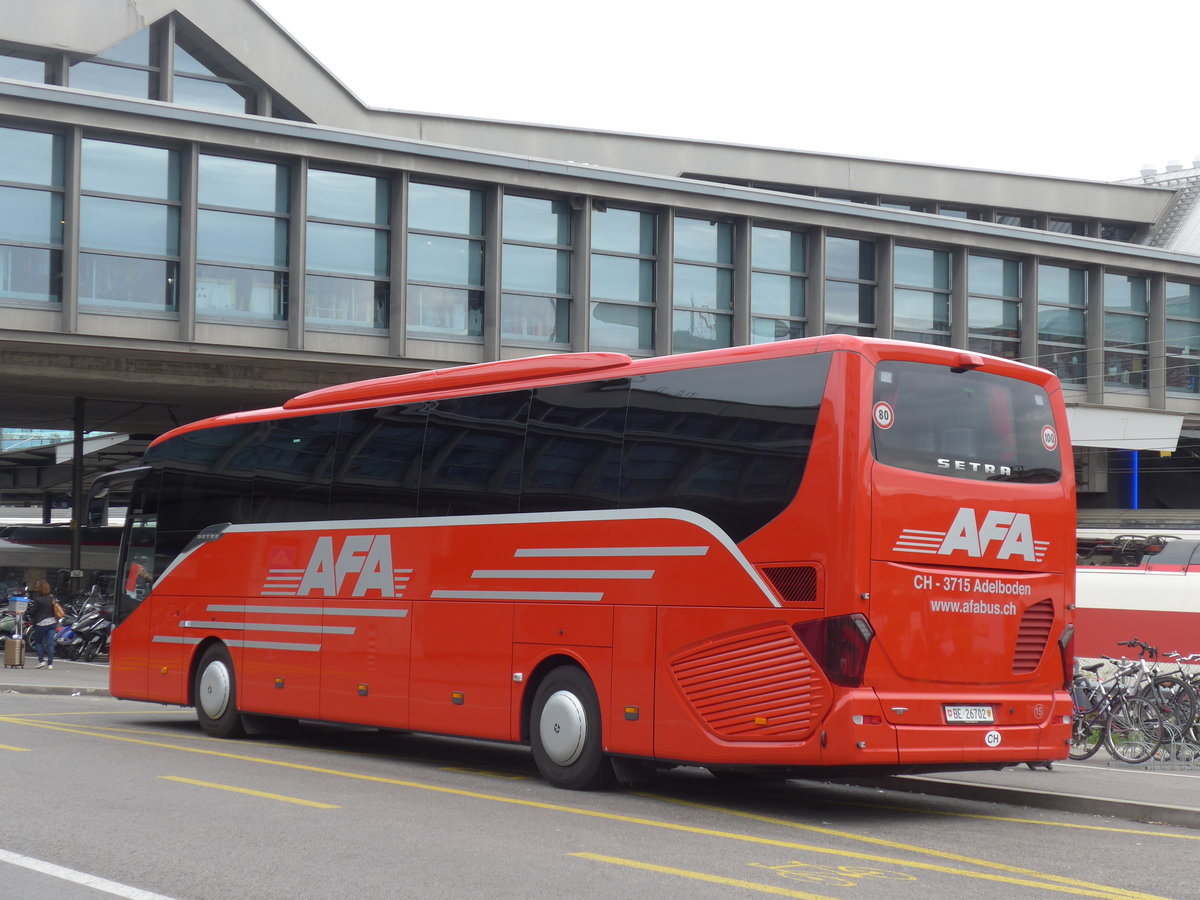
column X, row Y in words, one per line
column 1087, row 734
column 1177, row 704
column 1134, row 730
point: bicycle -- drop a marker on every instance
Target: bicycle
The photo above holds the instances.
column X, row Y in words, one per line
column 1171, row 693
column 1107, row 711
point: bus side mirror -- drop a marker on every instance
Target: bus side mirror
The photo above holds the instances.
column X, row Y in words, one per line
column 97, row 509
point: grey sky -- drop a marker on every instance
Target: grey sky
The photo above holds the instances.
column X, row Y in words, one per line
column 1057, row 87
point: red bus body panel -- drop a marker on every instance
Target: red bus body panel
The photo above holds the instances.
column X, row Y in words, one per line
column 441, row 624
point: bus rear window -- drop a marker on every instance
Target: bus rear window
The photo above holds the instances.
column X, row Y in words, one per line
column 968, row 424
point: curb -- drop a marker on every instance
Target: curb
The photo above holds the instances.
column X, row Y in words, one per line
column 64, row 690
column 1146, row 813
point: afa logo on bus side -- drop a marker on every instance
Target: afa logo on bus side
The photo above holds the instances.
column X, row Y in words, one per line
column 363, row 560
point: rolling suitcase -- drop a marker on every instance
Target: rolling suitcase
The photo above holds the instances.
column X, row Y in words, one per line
column 14, row 653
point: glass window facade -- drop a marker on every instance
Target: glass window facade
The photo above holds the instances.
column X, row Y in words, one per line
column 535, row 306
column 31, row 215
column 1183, row 337
column 347, row 283
column 1068, row 226
column 242, row 240
column 203, row 85
column 128, row 227
column 1126, row 307
column 1062, row 322
column 849, row 286
column 702, row 295
column 129, row 69
column 624, row 251
column 445, row 262
column 132, row 210
column 994, row 306
column 778, row 284
column 921, row 296
column 22, row 68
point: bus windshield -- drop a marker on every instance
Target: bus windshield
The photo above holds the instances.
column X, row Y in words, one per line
column 964, row 424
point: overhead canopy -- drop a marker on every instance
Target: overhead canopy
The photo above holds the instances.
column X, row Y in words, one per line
column 1123, row 429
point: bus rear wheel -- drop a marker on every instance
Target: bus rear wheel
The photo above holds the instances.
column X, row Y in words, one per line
column 215, row 694
column 564, row 731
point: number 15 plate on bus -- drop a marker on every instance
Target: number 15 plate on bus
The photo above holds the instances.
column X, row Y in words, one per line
column 969, row 714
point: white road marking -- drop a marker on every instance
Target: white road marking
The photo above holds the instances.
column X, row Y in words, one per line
column 92, row 881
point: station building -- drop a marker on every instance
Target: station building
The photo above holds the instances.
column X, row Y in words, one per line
column 196, row 215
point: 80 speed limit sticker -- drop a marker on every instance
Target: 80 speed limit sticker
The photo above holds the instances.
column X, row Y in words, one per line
column 883, row 415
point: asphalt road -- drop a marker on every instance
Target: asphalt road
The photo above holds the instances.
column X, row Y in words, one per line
column 136, row 795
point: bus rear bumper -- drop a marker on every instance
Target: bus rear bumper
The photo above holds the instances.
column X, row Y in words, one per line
column 1002, row 745
column 855, row 737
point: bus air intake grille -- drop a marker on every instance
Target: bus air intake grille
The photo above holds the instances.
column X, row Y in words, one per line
column 795, row 584
column 1032, row 637
column 758, row 685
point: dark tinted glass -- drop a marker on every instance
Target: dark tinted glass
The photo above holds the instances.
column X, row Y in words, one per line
column 969, row 424
column 473, row 454
column 378, row 466
column 207, row 478
column 729, row 442
column 573, row 447
column 295, row 459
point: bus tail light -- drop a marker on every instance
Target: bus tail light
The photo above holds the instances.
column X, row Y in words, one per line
column 839, row 646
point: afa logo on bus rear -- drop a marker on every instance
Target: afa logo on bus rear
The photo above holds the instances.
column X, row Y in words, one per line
column 999, row 535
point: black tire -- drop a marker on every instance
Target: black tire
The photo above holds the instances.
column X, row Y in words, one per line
column 1134, row 731
column 1087, row 734
column 564, row 731
column 215, row 694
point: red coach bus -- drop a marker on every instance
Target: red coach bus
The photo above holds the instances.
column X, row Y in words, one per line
column 829, row 553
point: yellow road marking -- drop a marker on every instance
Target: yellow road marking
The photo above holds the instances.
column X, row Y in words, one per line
column 701, row 876
column 1015, row 820
column 912, row 848
column 238, row 790
column 1058, row 884
column 15, row 749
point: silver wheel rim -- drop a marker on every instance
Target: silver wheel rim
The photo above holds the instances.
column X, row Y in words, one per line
column 563, row 728
column 214, row 689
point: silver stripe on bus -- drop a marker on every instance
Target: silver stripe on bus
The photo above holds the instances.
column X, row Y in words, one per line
column 605, row 574
column 591, row 515
column 610, row 551
column 234, row 642
column 306, row 610
column 271, row 645
column 269, row 626
column 565, row 596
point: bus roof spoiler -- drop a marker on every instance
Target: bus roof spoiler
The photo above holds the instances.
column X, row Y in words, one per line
column 394, row 387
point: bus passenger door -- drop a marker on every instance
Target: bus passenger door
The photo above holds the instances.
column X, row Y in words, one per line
column 166, row 662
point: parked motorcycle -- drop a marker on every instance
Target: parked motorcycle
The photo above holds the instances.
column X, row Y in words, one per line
column 92, row 630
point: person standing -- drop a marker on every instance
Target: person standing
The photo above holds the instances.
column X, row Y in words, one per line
column 41, row 613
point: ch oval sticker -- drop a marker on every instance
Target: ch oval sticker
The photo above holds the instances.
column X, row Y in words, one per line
column 883, row 415
column 992, row 739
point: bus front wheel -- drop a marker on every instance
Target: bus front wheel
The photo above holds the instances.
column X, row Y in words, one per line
column 564, row 730
column 215, row 694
